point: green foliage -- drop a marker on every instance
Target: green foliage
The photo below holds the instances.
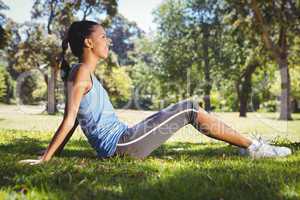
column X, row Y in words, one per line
column 33, row 89
column 238, row 60
column 6, row 86
column 294, row 59
column 147, row 88
column 295, row 82
column 3, row 33
column 146, row 84
column 223, row 102
column 40, row 91
column 200, row 45
column 269, row 106
column 119, row 86
column 122, row 32
column 3, row 37
column 174, row 55
column 278, row 25
column 117, row 82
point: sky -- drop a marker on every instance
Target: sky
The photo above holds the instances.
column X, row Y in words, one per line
column 139, row 11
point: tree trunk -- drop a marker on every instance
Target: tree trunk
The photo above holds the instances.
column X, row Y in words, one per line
column 244, row 98
column 207, row 86
column 246, row 87
column 285, row 109
column 282, row 60
column 51, row 106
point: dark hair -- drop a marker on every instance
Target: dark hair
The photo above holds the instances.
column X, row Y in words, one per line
column 78, row 31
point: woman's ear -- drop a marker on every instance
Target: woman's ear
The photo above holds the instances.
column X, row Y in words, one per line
column 88, row 43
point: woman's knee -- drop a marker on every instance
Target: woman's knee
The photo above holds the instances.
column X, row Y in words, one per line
column 191, row 104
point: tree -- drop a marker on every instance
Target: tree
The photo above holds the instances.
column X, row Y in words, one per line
column 3, row 34
column 189, row 45
column 146, row 93
column 240, row 55
column 174, row 57
column 116, row 81
column 6, row 86
column 29, row 55
column 123, row 33
column 244, row 84
column 278, row 23
column 206, row 29
column 294, row 60
column 12, row 49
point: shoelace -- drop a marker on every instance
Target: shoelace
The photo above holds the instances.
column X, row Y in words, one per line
column 259, row 138
column 261, row 142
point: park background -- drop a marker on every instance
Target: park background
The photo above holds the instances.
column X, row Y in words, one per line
column 239, row 60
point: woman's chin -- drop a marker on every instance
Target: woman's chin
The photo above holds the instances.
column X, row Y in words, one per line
column 105, row 56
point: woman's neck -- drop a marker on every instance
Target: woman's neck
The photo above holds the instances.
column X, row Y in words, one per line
column 90, row 60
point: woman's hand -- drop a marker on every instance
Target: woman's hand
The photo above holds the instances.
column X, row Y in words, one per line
column 32, row 161
column 40, row 153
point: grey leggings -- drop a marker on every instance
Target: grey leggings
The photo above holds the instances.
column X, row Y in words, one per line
column 141, row 139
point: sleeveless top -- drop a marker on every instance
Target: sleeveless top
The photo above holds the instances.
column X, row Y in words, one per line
column 98, row 119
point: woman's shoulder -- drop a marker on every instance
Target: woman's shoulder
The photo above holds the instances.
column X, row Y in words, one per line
column 79, row 72
column 81, row 75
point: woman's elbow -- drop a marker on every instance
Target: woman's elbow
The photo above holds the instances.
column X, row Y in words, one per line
column 69, row 121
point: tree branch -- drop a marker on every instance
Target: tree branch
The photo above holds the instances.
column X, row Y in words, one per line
column 264, row 30
column 53, row 5
column 87, row 11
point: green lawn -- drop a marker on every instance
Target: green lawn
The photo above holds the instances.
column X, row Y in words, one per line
column 188, row 166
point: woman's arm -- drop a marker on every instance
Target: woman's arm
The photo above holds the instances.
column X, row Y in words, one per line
column 61, row 147
column 58, row 138
column 69, row 135
column 81, row 85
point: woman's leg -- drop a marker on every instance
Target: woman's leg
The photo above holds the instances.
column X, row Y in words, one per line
column 214, row 128
column 140, row 140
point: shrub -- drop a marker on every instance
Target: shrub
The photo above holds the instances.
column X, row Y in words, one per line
column 269, row 106
column 6, row 86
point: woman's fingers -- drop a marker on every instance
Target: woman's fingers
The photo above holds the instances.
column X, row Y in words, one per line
column 41, row 152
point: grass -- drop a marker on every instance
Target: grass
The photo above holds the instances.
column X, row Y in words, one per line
column 188, row 166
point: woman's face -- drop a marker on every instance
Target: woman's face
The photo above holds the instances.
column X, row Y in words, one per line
column 101, row 43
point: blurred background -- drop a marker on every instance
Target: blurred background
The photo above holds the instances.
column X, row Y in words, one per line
column 236, row 58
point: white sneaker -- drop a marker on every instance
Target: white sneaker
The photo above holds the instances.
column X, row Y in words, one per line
column 261, row 149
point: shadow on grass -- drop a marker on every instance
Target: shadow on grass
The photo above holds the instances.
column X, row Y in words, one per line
column 81, row 149
column 32, row 147
column 78, row 175
column 194, row 150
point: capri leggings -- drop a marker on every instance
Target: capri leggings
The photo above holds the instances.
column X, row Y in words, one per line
column 141, row 139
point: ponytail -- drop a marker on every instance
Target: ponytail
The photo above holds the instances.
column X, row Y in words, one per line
column 64, row 65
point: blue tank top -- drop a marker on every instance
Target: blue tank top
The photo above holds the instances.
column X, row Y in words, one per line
column 98, row 120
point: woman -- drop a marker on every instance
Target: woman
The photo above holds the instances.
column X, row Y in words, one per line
column 88, row 105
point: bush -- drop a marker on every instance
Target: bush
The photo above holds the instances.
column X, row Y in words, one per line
column 117, row 83
column 33, row 90
column 269, row 106
column 6, row 86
